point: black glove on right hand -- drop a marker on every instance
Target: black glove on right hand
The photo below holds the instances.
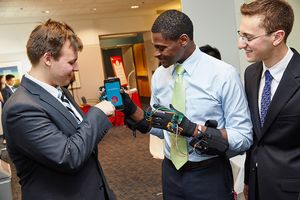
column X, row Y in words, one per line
column 165, row 120
column 211, row 142
column 129, row 105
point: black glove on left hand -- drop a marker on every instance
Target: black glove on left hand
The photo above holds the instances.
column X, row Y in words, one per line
column 142, row 126
column 166, row 120
column 129, row 105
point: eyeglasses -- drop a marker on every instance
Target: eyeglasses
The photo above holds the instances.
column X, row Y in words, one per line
column 249, row 39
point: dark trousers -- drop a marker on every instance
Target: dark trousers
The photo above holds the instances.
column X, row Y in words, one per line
column 211, row 180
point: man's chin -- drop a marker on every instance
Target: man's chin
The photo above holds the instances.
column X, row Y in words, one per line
column 250, row 59
column 166, row 65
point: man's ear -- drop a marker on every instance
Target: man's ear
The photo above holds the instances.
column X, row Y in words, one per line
column 278, row 37
column 47, row 58
column 184, row 39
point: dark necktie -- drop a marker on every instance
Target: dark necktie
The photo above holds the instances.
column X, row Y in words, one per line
column 67, row 104
column 266, row 97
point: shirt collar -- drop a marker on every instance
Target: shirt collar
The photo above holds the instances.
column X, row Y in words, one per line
column 189, row 63
column 49, row 88
column 10, row 86
column 277, row 70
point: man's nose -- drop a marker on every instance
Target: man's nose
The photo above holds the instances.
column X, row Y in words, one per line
column 241, row 43
column 75, row 67
column 156, row 53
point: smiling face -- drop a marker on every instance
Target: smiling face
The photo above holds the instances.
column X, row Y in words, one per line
column 260, row 48
column 61, row 70
column 167, row 51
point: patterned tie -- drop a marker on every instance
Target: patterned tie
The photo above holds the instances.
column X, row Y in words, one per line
column 67, row 104
column 266, row 97
column 178, row 152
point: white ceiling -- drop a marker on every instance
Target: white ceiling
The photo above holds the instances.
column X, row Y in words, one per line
column 18, row 11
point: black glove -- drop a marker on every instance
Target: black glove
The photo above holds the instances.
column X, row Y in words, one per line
column 142, row 126
column 211, row 142
column 167, row 120
column 129, row 105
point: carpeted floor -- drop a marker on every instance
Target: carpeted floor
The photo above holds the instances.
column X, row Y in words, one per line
column 130, row 170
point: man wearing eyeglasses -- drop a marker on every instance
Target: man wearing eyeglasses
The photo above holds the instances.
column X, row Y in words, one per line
column 272, row 167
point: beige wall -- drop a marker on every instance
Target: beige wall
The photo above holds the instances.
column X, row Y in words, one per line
column 151, row 61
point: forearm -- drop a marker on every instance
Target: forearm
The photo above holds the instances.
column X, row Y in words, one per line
column 138, row 115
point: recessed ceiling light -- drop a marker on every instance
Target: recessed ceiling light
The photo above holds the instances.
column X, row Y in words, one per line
column 134, row 7
column 93, row 9
column 46, row 11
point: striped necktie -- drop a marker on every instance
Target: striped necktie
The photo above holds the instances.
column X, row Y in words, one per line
column 178, row 151
column 67, row 104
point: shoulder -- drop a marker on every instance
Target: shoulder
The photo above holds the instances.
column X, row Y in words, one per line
column 162, row 70
column 296, row 57
column 21, row 99
column 221, row 71
column 161, row 75
column 251, row 69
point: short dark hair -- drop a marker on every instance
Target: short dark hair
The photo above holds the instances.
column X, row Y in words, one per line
column 172, row 24
column 212, row 51
column 9, row 77
column 50, row 37
column 278, row 14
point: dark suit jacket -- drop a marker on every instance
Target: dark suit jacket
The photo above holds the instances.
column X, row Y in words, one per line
column 54, row 156
column 276, row 146
column 6, row 93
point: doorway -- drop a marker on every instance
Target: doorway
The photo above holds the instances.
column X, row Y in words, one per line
column 130, row 48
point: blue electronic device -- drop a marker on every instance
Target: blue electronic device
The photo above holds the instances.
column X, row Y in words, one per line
column 112, row 89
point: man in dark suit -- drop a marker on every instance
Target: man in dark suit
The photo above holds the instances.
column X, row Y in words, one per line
column 272, row 167
column 52, row 144
column 9, row 88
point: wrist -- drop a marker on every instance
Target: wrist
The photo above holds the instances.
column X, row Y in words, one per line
column 138, row 114
column 200, row 130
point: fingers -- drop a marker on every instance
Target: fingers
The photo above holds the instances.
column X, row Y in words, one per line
column 246, row 191
column 106, row 107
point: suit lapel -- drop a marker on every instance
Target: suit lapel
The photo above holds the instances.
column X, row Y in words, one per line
column 286, row 89
column 48, row 98
column 256, row 76
column 9, row 91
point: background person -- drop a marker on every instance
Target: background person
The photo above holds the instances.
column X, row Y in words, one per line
column 52, row 144
column 2, row 85
column 9, row 88
column 272, row 168
column 212, row 51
